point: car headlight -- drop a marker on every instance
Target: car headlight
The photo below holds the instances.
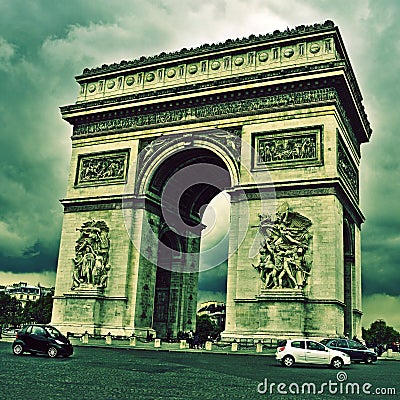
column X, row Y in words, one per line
column 59, row 341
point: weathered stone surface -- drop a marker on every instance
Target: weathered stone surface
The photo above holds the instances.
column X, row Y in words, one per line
column 281, row 115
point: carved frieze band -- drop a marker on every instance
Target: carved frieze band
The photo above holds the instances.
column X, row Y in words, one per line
column 237, row 108
column 285, row 149
column 347, row 169
column 283, row 193
column 102, row 168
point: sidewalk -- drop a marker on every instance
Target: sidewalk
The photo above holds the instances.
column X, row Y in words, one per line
column 394, row 356
column 216, row 348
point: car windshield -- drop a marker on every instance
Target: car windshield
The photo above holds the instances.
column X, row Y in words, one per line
column 53, row 331
column 355, row 345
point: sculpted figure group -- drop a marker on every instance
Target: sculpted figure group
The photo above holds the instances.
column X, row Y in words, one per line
column 91, row 265
column 284, row 262
column 94, row 169
column 275, row 150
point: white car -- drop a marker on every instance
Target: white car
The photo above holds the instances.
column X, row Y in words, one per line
column 309, row 351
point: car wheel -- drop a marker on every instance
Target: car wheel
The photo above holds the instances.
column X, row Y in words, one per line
column 287, row 361
column 18, row 349
column 368, row 360
column 52, row 352
column 337, row 363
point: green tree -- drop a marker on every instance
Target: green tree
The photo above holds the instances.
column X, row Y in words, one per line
column 27, row 313
column 205, row 327
column 380, row 333
column 38, row 311
column 10, row 310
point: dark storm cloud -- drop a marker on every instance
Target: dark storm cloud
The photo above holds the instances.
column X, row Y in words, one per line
column 36, row 258
column 44, row 44
column 380, row 177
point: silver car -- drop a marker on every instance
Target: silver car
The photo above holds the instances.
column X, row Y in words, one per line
column 306, row 351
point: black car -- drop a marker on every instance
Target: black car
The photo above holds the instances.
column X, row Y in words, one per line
column 44, row 339
column 356, row 350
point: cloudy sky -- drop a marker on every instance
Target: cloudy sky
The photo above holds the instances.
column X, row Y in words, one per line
column 45, row 43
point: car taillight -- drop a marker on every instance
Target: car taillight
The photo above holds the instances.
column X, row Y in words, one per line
column 281, row 348
column 16, row 336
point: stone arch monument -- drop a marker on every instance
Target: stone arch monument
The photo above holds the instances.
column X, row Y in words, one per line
column 277, row 121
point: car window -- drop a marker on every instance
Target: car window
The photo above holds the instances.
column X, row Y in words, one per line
column 28, row 329
column 315, row 346
column 355, row 345
column 342, row 343
column 333, row 343
column 38, row 330
column 53, row 331
column 299, row 344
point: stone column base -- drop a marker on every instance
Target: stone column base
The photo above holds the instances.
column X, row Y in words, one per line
column 284, row 314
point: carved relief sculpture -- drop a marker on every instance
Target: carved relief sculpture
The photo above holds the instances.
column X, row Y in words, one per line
column 91, row 262
column 347, row 169
column 284, row 259
column 103, row 168
column 287, row 149
column 237, row 107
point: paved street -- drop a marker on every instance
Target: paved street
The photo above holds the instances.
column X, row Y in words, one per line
column 123, row 373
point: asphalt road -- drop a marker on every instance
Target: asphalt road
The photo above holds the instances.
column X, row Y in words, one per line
column 118, row 373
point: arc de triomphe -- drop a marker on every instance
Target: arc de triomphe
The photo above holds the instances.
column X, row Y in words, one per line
column 275, row 120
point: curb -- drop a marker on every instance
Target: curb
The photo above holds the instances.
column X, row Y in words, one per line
column 188, row 351
column 226, row 353
column 388, row 359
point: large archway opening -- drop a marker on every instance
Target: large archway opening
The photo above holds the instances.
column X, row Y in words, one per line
column 213, row 263
column 178, row 197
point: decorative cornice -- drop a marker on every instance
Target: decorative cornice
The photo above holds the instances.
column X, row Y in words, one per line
column 281, row 190
column 219, row 110
column 115, row 85
column 326, row 301
column 197, row 86
column 207, row 48
column 305, row 300
column 71, row 206
column 241, row 193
